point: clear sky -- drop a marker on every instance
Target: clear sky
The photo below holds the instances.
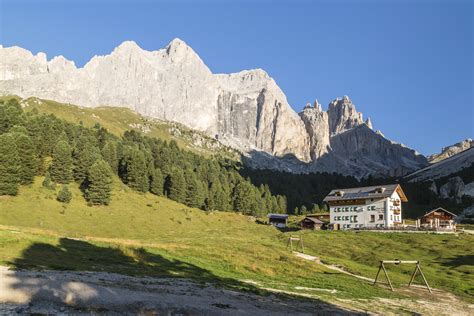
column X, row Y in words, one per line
column 409, row 65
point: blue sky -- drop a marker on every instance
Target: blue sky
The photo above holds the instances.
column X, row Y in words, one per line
column 409, row 65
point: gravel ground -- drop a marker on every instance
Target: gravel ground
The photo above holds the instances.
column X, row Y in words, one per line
column 66, row 292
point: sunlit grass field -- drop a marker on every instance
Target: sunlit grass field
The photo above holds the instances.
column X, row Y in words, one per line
column 117, row 120
column 142, row 234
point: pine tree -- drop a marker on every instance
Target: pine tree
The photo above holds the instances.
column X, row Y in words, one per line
column 64, row 195
column 99, row 183
column 9, row 166
column 281, row 200
column 243, row 197
column 47, row 180
column 10, row 115
column 61, row 166
column 195, row 194
column 177, row 185
column 209, row 204
column 134, row 170
column 296, row 211
column 315, row 209
column 157, row 182
column 85, row 154
column 26, row 155
column 303, row 210
column 110, row 154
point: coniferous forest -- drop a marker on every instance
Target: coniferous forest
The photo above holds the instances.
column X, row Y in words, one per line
column 33, row 144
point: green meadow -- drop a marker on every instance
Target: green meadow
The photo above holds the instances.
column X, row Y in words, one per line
column 147, row 235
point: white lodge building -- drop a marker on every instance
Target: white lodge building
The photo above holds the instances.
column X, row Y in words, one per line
column 376, row 206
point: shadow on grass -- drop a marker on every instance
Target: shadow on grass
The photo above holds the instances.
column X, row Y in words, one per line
column 461, row 260
column 76, row 255
column 289, row 229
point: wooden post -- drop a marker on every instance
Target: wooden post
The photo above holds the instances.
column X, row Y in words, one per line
column 388, row 279
column 289, row 244
column 424, row 279
column 378, row 272
column 413, row 275
column 382, row 267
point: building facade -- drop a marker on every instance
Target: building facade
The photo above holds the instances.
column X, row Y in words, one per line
column 439, row 218
column 367, row 207
column 277, row 220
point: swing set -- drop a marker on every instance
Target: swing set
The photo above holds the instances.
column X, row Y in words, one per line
column 397, row 262
column 299, row 243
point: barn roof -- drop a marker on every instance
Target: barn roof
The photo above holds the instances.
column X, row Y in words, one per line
column 281, row 216
column 314, row 220
column 439, row 209
column 376, row 191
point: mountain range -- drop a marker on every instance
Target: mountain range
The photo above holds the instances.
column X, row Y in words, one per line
column 245, row 110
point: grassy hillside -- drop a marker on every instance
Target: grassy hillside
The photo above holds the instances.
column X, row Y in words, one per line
column 117, row 120
column 142, row 234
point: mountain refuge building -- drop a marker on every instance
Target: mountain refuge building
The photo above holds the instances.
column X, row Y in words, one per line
column 367, row 207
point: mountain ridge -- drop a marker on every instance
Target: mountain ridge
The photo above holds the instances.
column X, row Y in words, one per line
column 246, row 110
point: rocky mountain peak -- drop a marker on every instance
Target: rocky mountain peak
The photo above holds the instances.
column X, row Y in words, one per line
column 368, row 122
column 246, row 110
column 317, row 105
column 180, row 52
column 452, row 150
column 127, row 46
column 343, row 115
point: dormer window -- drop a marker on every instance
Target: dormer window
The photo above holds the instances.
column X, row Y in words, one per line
column 379, row 190
column 338, row 193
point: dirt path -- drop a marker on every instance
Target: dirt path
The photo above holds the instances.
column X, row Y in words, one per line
column 50, row 292
column 422, row 302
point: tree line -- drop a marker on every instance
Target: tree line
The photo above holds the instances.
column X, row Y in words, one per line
column 33, row 143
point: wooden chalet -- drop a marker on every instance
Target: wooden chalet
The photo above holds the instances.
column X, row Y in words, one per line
column 310, row 222
column 438, row 218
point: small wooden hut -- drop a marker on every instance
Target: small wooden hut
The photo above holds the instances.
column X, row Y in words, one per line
column 310, row 222
column 277, row 220
column 438, row 218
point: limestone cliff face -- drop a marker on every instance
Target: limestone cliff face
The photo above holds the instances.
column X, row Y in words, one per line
column 246, row 110
column 343, row 116
column 371, row 151
column 254, row 111
column 317, row 126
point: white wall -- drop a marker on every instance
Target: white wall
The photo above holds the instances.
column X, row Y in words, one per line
column 373, row 213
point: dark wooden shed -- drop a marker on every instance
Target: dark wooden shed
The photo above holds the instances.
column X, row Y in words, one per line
column 312, row 223
column 277, row 220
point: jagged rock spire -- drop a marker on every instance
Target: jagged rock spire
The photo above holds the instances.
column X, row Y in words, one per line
column 343, row 115
column 317, row 105
column 368, row 122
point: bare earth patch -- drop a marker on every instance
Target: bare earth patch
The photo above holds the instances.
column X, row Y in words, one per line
column 50, row 292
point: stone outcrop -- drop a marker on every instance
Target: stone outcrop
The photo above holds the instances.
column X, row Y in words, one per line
column 317, row 126
column 343, row 116
column 453, row 189
column 452, row 150
column 246, row 110
column 444, row 168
